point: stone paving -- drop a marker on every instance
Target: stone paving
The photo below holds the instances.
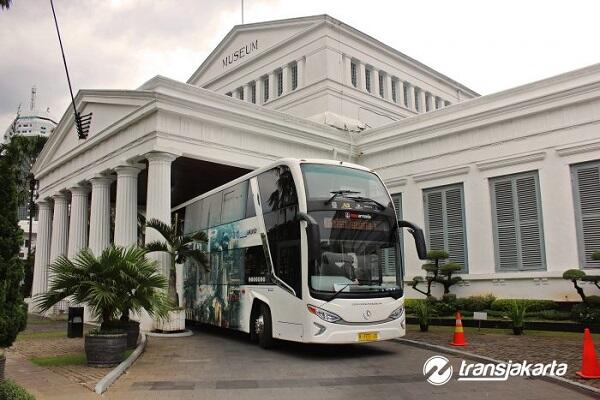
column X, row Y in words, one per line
column 218, row 364
column 505, row 347
column 31, row 343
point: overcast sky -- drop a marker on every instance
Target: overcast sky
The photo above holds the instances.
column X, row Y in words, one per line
column 488, row 46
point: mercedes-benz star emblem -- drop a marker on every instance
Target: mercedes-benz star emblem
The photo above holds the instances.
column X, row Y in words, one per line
column 367, row 314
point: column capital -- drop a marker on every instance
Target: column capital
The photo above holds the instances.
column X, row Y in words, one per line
column 80, row 190
column 44, row 204
column 59, row 198
column 128, row 170
column 161, row 156
column 101, row 180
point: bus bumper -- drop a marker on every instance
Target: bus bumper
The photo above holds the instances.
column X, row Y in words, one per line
column 324, row 332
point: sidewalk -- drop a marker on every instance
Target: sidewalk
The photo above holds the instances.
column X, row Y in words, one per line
column 43, row 383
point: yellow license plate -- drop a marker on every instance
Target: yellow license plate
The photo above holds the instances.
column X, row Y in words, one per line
column 368, row 336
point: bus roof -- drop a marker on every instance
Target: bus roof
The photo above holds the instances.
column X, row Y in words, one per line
column 258, row 171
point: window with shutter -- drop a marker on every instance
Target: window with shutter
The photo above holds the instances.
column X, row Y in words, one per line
column 445, row 222
column 586, row 190
column 517, row 218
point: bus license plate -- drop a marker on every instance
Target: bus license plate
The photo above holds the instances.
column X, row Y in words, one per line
column 368, row 336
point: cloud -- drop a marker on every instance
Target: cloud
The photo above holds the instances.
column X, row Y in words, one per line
column 122, row 43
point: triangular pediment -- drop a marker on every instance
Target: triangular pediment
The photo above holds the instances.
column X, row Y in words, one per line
column 246, row 42
column 107, row 107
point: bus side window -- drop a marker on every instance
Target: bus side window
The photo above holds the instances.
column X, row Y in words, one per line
column 255, row 266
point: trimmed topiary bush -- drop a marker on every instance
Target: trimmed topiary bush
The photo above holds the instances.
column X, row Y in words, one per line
column 11, row 391
column 585, row 313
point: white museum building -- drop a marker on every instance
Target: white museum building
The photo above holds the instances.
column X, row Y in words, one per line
column 508, row 183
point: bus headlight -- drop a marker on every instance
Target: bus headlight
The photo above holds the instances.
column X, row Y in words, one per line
column 397, row 313
column 324, row 315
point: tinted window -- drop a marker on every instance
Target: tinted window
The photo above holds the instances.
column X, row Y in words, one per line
column 277, row 189
column 234, row 203
column 211, row 210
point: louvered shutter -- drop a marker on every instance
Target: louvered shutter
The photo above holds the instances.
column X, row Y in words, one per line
column 445, row 224
column 586, row 180
column 518, row 223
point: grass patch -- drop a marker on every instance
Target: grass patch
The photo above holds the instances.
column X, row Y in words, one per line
column 66, row 359
column 42, row 335
column 57, row 361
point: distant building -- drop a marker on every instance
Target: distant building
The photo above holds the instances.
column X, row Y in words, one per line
column 33, row 122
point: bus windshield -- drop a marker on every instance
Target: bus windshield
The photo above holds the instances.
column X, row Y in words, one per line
column 359, row 252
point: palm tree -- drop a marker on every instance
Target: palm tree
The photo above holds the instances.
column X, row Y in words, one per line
column 118, row 281
column 180, row 248
column 5, row 4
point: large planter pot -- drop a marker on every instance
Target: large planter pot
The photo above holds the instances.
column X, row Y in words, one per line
column 175, row 322
column 105, row 349
column 131, row 328
column 2, row 365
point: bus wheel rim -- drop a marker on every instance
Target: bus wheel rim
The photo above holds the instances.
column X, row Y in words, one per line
column 259, row 325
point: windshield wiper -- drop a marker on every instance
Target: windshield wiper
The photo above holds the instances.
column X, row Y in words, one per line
column 337, row 193
column 333, row 296
column 361, row 199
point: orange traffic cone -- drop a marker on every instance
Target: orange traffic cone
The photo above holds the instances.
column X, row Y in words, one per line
column 590, row 369
column 459, row 333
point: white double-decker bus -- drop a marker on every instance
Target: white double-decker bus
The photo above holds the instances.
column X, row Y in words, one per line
column 301, row 250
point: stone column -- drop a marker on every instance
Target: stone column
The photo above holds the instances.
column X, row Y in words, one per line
column 42, row 248
column 158, row 204
column 287, row 78
column 272, row 86
column 236, row 93
column 259, row 90
column 100, row 214
column 375, row 84
column 78, row 224
column 421, row 99
column 400, row 93
column 347, row 64
column 387, row 92
column 362, row 81
column 126, row 233
column 430, row 101
column 301, row 63
column 439, row 103
column 60, row 227
column 247, row 94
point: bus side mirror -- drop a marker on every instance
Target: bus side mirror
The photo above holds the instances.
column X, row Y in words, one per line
column 313, row 235
column 417, row 234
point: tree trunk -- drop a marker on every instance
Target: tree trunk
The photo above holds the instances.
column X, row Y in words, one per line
column 173, row 286
column 579, row 290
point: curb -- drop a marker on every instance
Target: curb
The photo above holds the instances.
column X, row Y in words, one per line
column 185, row 333
column 104, row 383
column 580, row 387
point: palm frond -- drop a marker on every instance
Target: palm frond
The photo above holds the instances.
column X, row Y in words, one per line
column 156, row 246
column 166, row 230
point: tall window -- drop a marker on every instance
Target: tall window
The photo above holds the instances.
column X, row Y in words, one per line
column 517, row 218
column 394, row 94
column 265, row 89
column 417, row 95
column 279, row 82
column 253, row 92
column 368, row 80
column 445, row 222
column 294, row 76
column 586, row 190
column 381, row 84
column 405, row 93
column 354, row 74
column 241, row 93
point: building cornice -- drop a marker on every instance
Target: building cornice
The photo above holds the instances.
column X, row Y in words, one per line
column 508, row 161
column 444, row 173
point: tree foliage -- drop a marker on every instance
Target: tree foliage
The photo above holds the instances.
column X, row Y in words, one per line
column 437, row 271
column 13, row 312
column 118, row 281
column 576, row 275
column 180, row 247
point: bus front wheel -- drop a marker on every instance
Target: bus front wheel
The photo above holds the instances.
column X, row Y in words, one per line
column 263, row 327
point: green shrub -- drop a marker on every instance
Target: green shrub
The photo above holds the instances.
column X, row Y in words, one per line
column 475, row 303
column 11, row 391
column 410, row 305
column 585, row 314
column 446, row 306
column 424, row 311
column 532, row 305
column 593, row 301
column 552, row 315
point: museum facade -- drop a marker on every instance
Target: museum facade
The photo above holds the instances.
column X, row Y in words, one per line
column 508, row 183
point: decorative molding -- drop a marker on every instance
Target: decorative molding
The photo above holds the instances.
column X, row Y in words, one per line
column 512, row 160
column 396, row 181
column 578, row 148
column 428, row 176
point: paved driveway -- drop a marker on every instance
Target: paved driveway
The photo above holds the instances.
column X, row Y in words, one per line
column 215, row 364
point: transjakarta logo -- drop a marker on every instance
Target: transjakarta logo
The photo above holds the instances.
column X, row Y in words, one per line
column 438, row 371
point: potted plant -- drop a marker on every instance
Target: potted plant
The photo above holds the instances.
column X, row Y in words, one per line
column 180, row 247
column 105, row 284
column 516, row 312
column 424, row 311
